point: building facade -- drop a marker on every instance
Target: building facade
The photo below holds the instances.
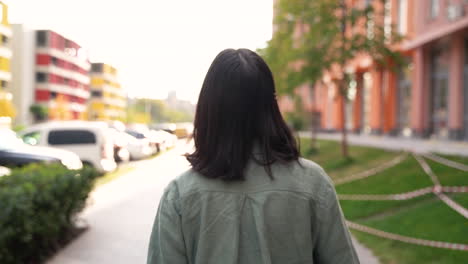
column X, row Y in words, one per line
column 428, row 98
column 108, row 100
column 50, row 76
column 7, row 111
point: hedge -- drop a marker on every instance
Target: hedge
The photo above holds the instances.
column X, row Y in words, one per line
column 38, row 209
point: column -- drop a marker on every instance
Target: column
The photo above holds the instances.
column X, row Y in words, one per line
column 376, row 100
column 390, row 103
column 455, row 95
column 418, row 95
column 357, row 104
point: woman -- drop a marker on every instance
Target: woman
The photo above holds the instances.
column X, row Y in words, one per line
column 249, row 198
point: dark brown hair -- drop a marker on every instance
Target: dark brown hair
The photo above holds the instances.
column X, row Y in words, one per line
column 237, row 110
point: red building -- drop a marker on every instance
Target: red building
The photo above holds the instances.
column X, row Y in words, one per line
column 56, row 70
column 429, row 98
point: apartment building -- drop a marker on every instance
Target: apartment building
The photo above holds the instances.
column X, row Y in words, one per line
column 7, row 111
column 50, row 72
column 108, row 100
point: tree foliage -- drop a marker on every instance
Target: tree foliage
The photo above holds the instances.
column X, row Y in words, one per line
column 156, row 111
column 312, row 37
column 309, row 33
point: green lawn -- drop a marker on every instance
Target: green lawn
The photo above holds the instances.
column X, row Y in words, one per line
column 448, row 176
column 459, row 159
column 407, row 176
column 357, row 210
column 424, row 217
column 329, row 157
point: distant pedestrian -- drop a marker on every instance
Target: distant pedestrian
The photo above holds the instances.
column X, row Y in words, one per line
column 249, row 198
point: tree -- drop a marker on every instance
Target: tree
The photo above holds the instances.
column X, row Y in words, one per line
column 39, row 112
column 313, row 37
column 155, row 111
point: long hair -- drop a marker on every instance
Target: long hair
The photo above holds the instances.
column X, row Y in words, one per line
column 237, row 114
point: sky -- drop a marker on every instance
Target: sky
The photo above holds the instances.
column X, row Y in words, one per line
column 157, row 45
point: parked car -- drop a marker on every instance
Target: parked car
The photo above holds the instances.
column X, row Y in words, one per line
column 91, row 141
column 184, row 130
column 15, row 153
column 154, row 144
column 166, row 139
column 121, row 152
column 139, row 148
column 168, row 127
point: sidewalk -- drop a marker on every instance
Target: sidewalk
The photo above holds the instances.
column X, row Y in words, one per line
column 398, row 143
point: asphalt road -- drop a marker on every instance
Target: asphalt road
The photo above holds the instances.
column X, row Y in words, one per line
column 121, row 214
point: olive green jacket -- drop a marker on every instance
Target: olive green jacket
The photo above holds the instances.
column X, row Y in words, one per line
column 294, row 218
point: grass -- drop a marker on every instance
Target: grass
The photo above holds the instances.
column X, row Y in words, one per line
column 394, row 252
column 356, row 210
column 448, row 176
column 425, row 217
column 407, row 176
column 459, row 159
column 433, row 221
column 329, row 157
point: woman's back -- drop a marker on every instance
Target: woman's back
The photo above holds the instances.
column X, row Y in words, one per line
column 248, row 198
column 294, row 218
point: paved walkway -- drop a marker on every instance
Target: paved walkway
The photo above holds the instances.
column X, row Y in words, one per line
column 122, row 212
column 398, row 143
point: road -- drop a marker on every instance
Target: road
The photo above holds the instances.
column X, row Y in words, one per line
column 121, row 215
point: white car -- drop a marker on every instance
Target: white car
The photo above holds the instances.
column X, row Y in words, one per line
column 15, row 153
column 167, row 139
column 89, row 140
column 139, row 148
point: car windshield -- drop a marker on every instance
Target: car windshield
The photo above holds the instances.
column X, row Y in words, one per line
column 9, row 140
column 135, row 134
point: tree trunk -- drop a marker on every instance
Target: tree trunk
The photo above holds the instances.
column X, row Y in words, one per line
column 344, row 133
column 313, row 134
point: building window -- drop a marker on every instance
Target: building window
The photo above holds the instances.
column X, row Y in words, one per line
column 97, row 94
column 435, row 6
column 54, row 61
column 41, row 77
column 402, row 16
column 4, row 39
column 53, row 95
column 4, row 84
column 97, row 67
column 41, row 37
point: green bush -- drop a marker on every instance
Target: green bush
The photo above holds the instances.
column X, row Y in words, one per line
column 38, row 208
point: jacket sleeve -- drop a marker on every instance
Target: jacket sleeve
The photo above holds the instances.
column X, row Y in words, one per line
column 167, row 243
column 333, row 243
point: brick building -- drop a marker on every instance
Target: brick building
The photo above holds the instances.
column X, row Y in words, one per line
column 429, row 98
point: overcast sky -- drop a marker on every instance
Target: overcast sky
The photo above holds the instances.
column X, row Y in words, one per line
column 157, row 45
